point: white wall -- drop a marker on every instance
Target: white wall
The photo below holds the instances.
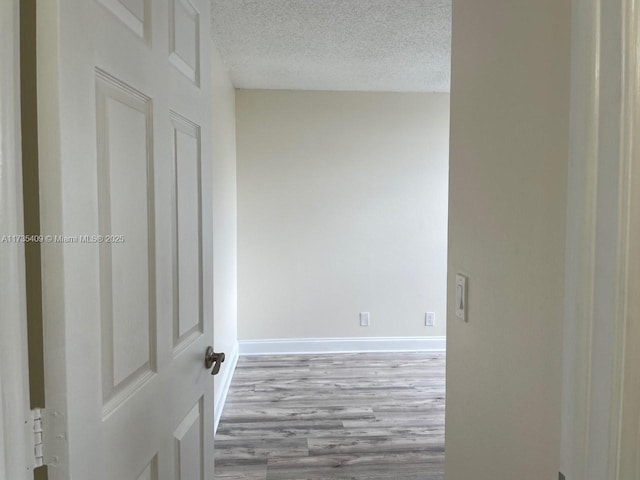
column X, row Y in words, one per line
column 15, row 434
column 507, row 203
column 342, row 208
column 223, row 139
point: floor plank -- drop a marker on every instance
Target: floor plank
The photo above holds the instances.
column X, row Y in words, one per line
column 365, row 416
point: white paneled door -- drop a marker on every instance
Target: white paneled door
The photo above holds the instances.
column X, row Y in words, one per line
column 125, row 176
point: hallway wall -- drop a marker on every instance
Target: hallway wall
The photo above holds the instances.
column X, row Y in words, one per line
column 342, row 208
column 223, row 138
column 507, row 201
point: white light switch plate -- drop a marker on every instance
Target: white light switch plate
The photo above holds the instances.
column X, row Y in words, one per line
column 461, row 297
column 364, row 319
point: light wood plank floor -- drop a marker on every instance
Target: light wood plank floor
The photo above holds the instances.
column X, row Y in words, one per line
column 358, row 416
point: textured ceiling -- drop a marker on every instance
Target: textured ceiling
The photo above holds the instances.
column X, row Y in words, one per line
column 366, row 45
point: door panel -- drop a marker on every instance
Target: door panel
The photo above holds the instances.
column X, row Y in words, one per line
column 133, row 13
column 125, row 205
column 151, row 471
column 189, row 448
column 187, row 170
column 128, row 318
column 184, row 38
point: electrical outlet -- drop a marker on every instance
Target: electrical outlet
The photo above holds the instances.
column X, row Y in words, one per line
column 364, row 319
column 430, row 319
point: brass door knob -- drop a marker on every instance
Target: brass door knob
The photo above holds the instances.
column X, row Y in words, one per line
column 213, row 359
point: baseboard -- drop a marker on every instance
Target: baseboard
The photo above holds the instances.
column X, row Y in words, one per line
column 342, row 345
column 226, row 375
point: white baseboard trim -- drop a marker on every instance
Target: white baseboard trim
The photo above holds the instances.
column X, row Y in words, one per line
column 342, row 345
column 226, row 375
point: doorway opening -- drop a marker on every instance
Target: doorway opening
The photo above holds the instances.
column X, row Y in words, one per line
column 342, row 136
